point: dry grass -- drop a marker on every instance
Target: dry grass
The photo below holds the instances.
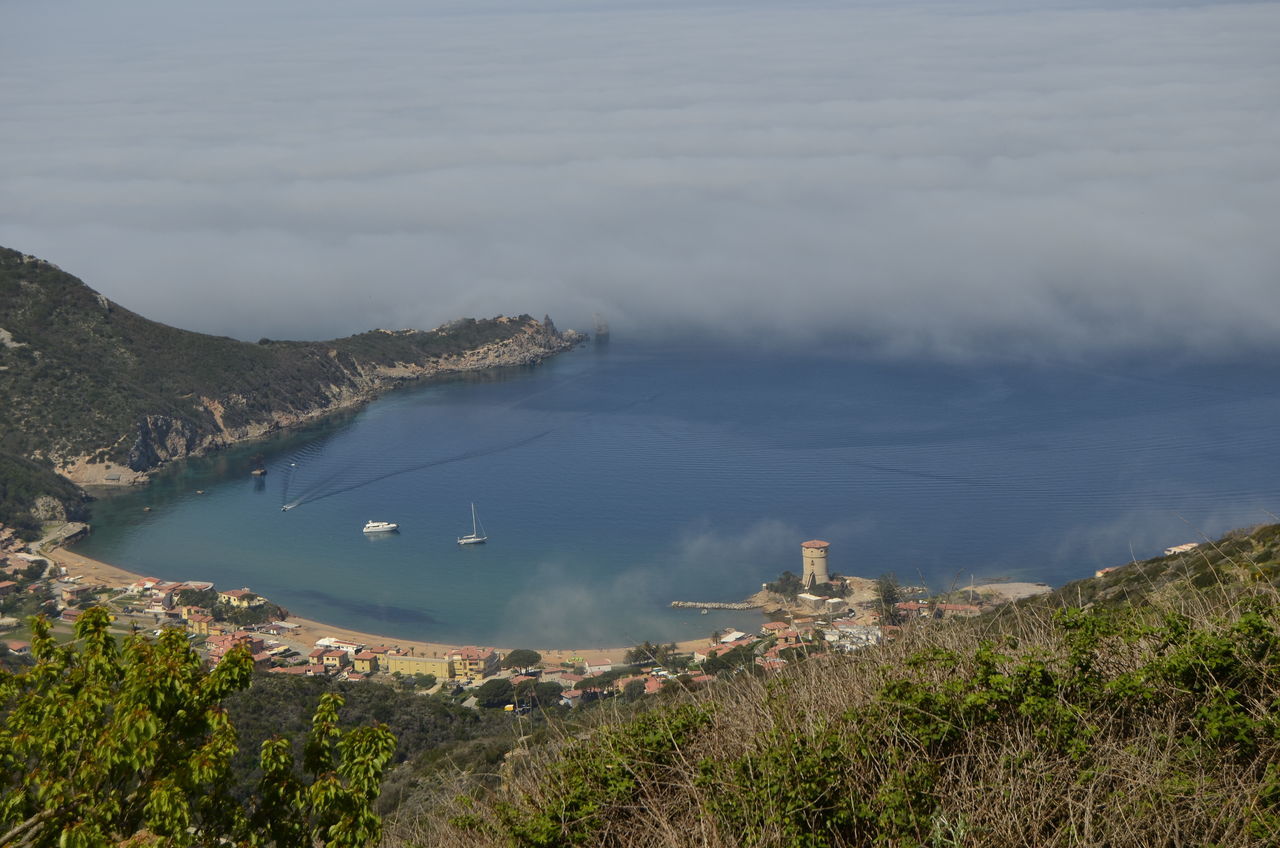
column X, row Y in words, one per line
column 1149, row 726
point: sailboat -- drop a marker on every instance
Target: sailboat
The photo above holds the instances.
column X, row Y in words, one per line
column 477, row 536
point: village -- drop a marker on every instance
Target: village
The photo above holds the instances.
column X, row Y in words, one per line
column 833, row 614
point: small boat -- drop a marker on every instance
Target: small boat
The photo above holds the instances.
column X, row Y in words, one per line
column 477, row 536
column 380, row 527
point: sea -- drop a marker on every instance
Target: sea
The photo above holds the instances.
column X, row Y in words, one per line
column 617, row 478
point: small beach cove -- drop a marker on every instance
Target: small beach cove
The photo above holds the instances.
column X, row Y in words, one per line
column 308, row 633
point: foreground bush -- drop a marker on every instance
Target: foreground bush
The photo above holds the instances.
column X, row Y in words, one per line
column 102, row 744
column 1143, row 726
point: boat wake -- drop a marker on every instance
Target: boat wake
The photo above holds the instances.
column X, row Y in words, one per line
column 356, row 472
column 335, row 484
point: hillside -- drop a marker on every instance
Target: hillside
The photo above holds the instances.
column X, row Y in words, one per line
column 103, row 395
column 31, row 492
column 1146, row 717
column 1241, row 558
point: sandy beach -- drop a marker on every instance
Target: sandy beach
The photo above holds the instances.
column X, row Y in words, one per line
column 97, row 572
column 1002, row 592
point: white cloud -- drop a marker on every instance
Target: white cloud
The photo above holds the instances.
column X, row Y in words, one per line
column 937, row 178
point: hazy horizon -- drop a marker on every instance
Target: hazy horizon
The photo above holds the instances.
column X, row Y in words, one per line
column 916, row 178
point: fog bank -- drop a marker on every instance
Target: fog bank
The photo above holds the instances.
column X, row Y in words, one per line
column 909, row 177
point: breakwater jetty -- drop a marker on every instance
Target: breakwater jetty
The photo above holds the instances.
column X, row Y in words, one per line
column 741, row 605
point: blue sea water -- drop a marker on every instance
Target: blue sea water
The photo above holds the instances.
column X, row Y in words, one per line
column 614, row 480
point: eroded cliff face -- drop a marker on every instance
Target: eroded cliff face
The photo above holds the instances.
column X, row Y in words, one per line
column 160, row 438
column 222, row 421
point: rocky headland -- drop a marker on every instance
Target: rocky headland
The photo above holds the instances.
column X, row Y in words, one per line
column 97, row 395
column 348, row 382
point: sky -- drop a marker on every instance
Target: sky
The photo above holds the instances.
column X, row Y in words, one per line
column 947, row 179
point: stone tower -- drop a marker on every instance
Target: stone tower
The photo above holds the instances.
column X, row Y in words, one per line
column 815, row 563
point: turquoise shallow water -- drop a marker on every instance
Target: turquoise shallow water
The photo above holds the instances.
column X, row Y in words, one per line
column 614, row 481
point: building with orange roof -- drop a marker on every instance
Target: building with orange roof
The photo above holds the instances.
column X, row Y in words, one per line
column 200, row 623
column 474, row 663
column 241, row 598
column 334, row 659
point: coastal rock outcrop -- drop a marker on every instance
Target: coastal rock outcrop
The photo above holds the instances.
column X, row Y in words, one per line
column 161, row 438
column 48, row 508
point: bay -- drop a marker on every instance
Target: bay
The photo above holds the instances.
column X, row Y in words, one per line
column 613, row 480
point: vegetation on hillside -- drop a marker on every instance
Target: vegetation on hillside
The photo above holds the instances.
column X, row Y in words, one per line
column 85, row 377
column 1243, row 557
column 104, row 744
column 260, row 613
column 277, row 705
column 22, row 483
column 1139, row 708
column 84, row 371
column 1146, row 721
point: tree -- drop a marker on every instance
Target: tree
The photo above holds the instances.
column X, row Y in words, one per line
column 827, row 590
column 206, row 598
column 495, row 693
column 643, row 654
column 647, row 653
column 244, row 616
column 741, row 656
column 888, row 594
column 634, row 690
column 788, row 585
column 521, row 658
column 102, row 744
column 599, row 681
column 547, row 694
column 536, row 693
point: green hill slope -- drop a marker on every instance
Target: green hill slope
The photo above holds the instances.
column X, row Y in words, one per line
column 1150, row 720
column 90, row 378
column 106, row 395
column 31, row 492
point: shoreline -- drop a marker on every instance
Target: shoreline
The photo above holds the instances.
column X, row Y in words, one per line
column 84, row 473
column 309, row 630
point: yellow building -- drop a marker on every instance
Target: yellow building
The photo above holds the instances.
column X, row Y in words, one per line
column 441, row 667
column 474, row 663
column 241, row 598
column 335, row 659
column 199, row 623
